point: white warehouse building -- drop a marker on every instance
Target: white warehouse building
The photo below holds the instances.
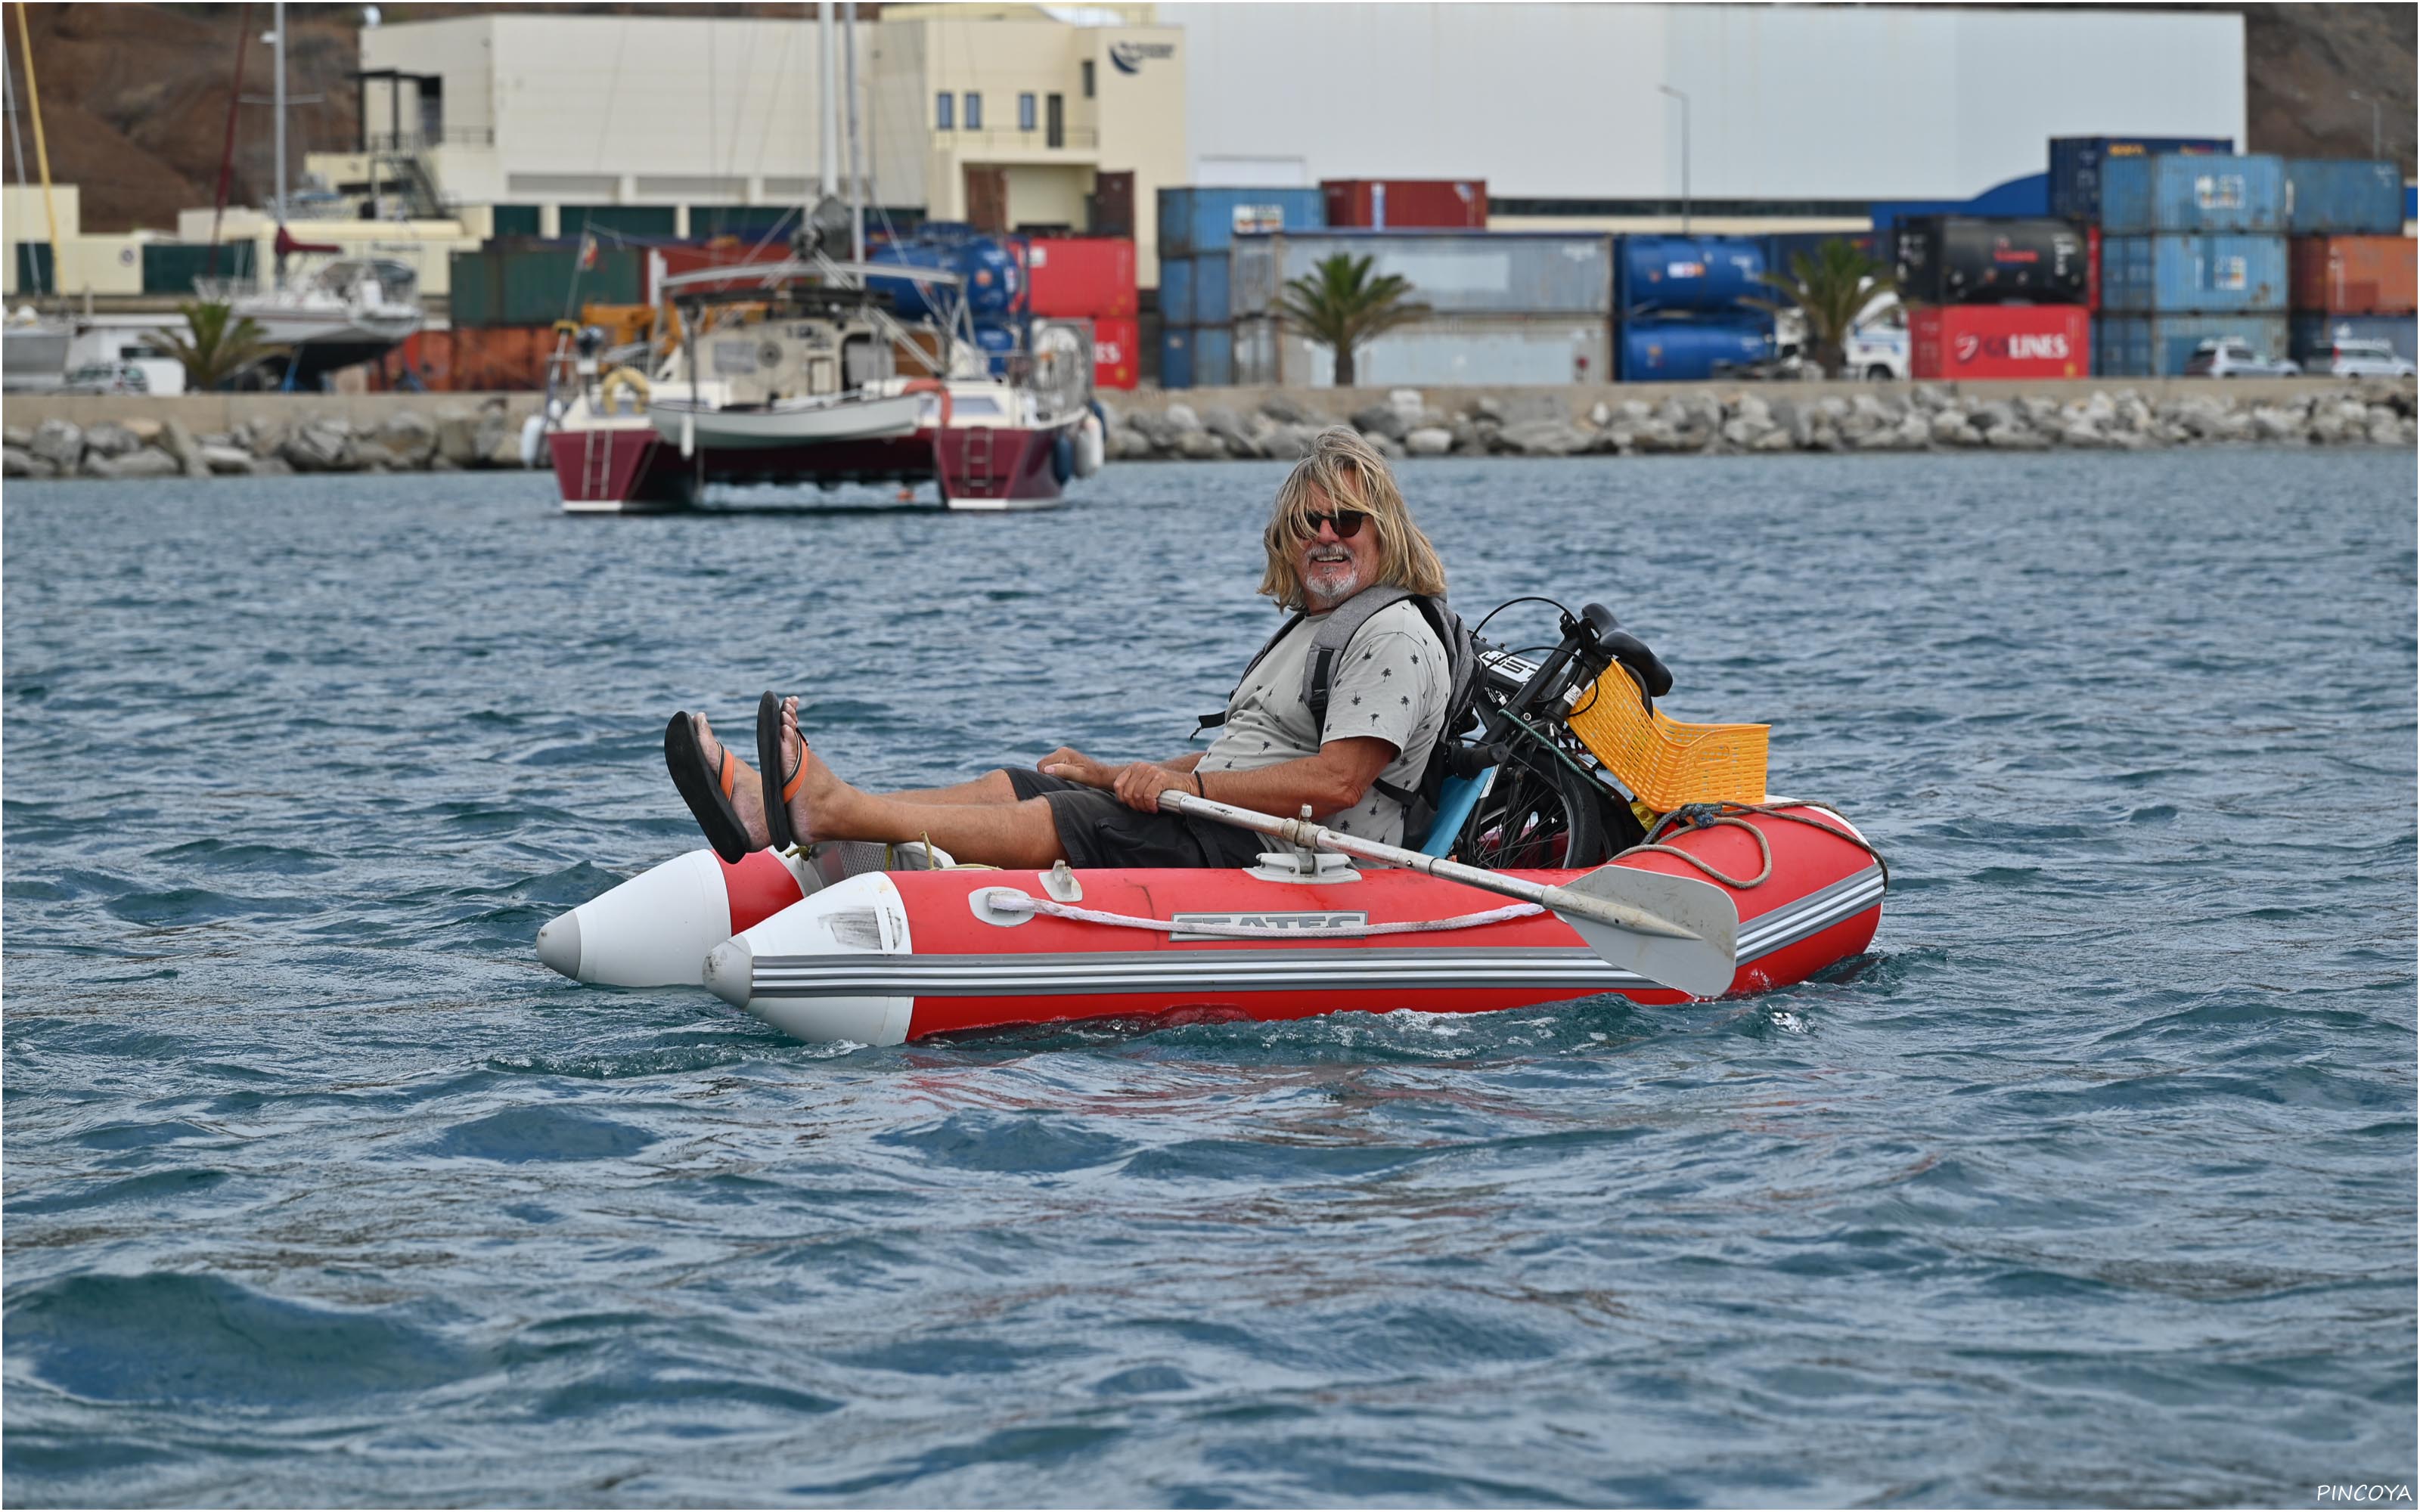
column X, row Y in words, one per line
column 1564, row 107
column 1577, row 115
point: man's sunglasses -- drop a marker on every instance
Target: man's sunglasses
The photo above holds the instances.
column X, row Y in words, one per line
column 1346, row 523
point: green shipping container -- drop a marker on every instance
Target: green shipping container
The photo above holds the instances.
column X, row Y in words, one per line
column 621, row 220
column 752, row 221
column 34, row 268
column 540, row 286
column 516, row 220
column 171, row 266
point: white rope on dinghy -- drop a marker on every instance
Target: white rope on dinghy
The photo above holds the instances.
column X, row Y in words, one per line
column 1010, row 900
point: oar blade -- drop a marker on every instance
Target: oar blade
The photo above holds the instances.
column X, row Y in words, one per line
column 1701, row 962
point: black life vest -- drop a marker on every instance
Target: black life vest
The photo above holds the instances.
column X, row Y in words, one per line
column 1327, row 646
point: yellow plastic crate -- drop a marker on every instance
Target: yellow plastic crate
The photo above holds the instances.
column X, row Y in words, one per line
column 1665, row 762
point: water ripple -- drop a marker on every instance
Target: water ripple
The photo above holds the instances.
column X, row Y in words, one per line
column 2093, row 1184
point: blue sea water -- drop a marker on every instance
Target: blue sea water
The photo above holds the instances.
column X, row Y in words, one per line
column 2092, row 1183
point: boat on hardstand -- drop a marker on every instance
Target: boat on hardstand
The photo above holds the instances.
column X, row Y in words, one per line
column 903, row 949
column 815, row 382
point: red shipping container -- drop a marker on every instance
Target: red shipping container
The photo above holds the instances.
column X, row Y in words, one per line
column 1404, row 204
column 691, row 257
column 2000, row 340
column 2351, row 275
column 1117, row 352
column 1078, row 278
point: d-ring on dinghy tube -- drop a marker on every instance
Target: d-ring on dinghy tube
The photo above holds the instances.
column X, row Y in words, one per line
column 899, row 954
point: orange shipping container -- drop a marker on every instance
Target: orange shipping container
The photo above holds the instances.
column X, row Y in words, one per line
column 2351, row 275
column 425, row 355
column 507, row 359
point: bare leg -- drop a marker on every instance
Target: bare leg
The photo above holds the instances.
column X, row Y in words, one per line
column 747, row 789
column 992, row 787
column 993, row 833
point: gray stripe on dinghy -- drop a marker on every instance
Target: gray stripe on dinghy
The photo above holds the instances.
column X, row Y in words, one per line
column 1095, row 973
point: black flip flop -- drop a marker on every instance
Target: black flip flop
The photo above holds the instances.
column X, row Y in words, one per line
column 768, row 761
column 705, row 788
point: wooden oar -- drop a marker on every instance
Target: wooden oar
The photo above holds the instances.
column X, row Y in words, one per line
column 1676, row 931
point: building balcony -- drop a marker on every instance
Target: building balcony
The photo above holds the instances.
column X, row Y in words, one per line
column 1005, row 139
column 405, row 142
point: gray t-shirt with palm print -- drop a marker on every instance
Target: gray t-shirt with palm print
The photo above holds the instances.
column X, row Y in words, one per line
column 1389, row 684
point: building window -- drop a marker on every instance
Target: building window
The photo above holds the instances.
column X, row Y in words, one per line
column 974, row 111
column 944, row 106
column 1025, row 113
column 1088, row 78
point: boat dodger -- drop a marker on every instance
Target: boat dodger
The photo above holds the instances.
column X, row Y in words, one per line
column 762, row 969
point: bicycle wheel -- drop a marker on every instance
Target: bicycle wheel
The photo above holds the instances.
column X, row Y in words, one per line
column 1540, row 817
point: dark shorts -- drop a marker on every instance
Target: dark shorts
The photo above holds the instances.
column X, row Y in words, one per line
column 1097, row 830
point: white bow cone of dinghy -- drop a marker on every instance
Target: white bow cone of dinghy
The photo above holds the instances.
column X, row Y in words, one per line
column 786, row 970
column 655, row 929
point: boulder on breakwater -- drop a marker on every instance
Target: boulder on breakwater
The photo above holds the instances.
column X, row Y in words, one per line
column 1715, row 421
column 447, row 437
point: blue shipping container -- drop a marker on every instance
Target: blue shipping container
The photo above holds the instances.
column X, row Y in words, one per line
column 1196, row 221
column 1687, row 351
column 2191, row 274
column 1175, row 357
column 2158, row 345
column 2344, row 196
column 2309, row 338
column 2076, row 164
column 1210, row 306
column 1214, row 356
column 1691, row 275
column 2193, row 194
column 1177, row 290
column 1452, row 272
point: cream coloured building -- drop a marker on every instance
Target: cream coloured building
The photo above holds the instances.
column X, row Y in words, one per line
column 1006, row 115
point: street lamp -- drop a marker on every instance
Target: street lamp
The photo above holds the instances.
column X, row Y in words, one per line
column 2356, row 94
column 1666, row 88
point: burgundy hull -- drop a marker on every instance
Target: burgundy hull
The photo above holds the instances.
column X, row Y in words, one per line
column 973, row 465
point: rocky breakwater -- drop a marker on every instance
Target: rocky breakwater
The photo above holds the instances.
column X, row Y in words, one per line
column 450, row 438
column 1926, row 418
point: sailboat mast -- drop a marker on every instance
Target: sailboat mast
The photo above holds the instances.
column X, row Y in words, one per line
column 8, row 96
column 856, row 173
column 278, row 197
column 827, row 118
column 42, row 151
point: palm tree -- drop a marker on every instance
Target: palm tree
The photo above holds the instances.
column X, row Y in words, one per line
column 1340, row 306
column 1829, row 290
column 221, row 345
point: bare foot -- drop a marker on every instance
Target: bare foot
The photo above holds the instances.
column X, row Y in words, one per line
column 819, row 788
column 747, row 792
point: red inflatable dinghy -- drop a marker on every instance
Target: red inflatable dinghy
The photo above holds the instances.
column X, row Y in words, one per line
column 893, row 955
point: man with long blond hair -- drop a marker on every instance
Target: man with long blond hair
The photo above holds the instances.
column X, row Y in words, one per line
column 1339, row 529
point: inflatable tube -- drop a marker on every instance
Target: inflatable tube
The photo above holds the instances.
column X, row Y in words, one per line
column 654, row 930
column 887, row 956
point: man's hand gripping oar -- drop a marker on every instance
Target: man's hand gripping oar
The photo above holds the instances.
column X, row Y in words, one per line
column 1678, row 932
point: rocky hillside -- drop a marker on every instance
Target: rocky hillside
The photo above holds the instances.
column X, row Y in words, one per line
column 134, row 97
